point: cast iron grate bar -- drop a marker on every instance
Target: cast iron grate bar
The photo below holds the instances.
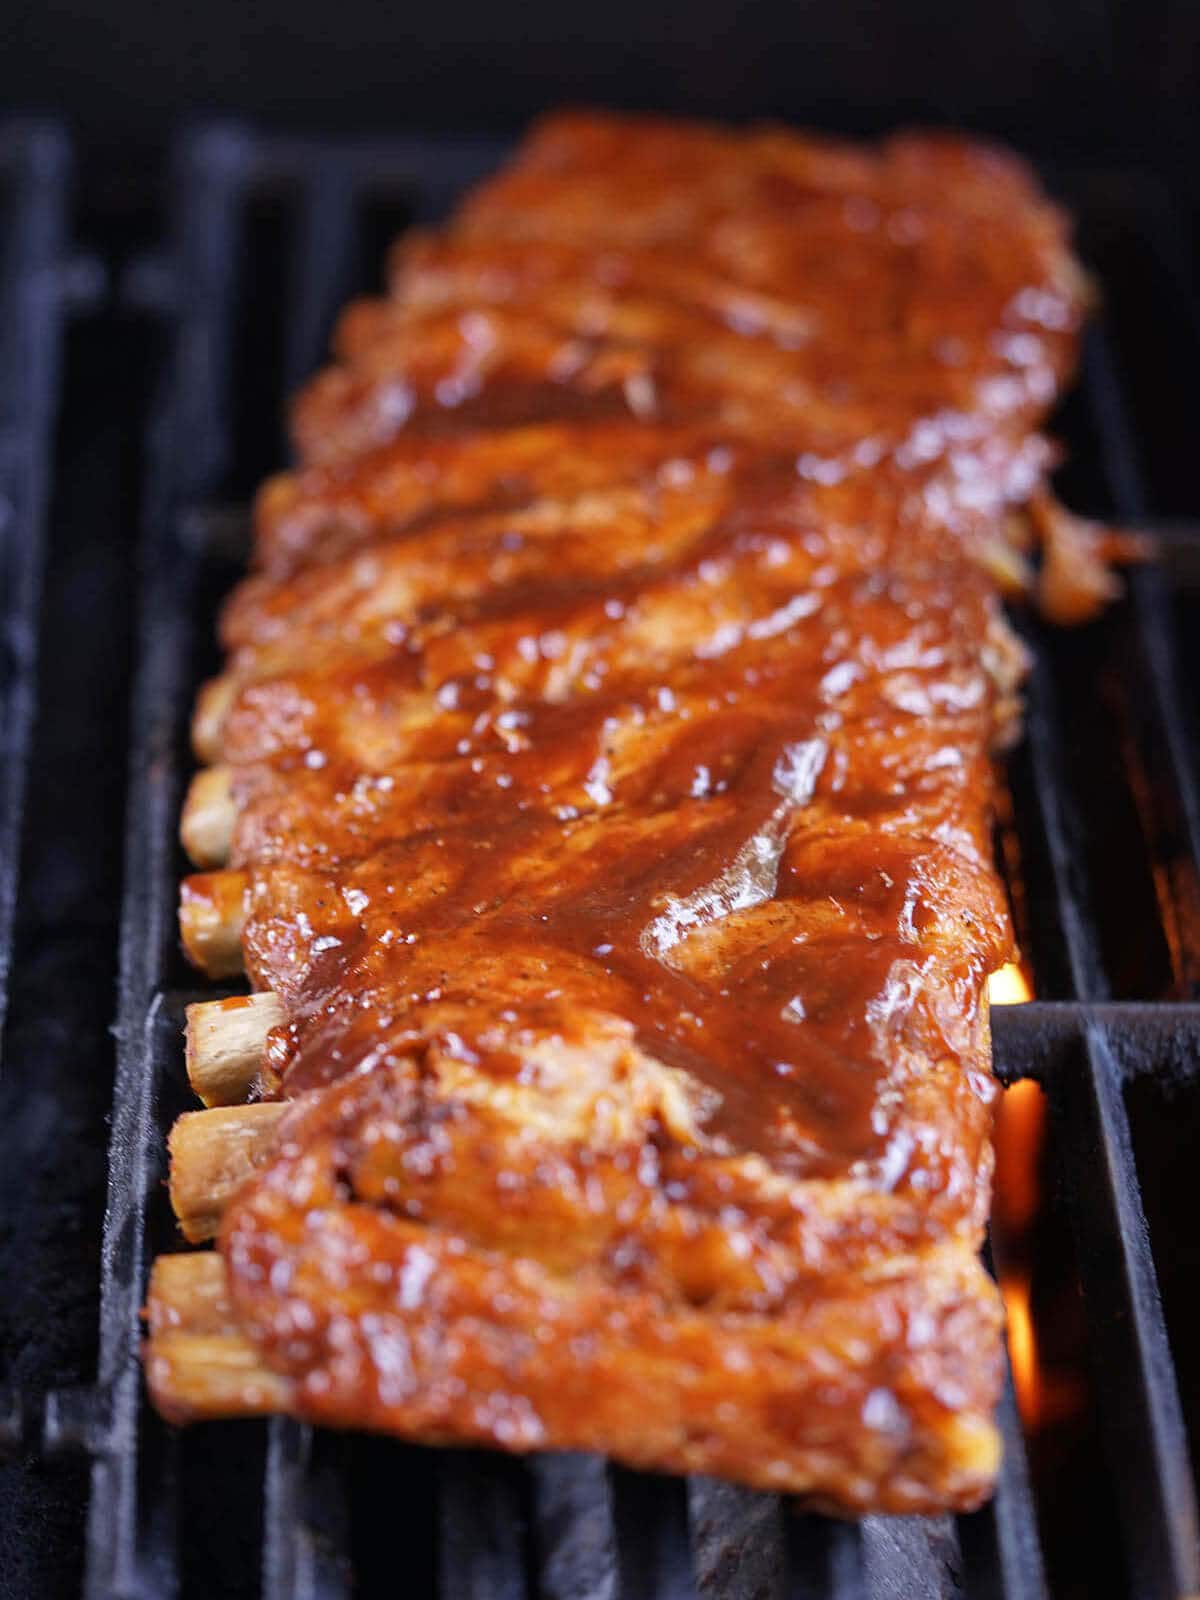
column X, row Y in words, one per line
column 1000, row 1549
column 1142, row 1412
column 738, row 1541
column 563, row 1526
column 35, row 174
column 303, row 1556
column 34, row 183
column 574, row 1535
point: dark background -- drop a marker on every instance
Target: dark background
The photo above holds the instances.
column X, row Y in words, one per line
column 1112, row 81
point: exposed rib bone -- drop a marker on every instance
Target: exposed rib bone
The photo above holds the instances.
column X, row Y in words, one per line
column 208, row 719
column 209, row 814
column 212, row 1153
column 225, row 1043
column 197, row 1363
column 212, row 908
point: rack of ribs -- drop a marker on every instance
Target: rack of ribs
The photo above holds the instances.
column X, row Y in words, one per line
column 598, row 799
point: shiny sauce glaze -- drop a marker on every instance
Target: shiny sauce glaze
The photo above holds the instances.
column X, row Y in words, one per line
column 735, row 284
column 649, row 649
column 696, row 820
column 611, row 721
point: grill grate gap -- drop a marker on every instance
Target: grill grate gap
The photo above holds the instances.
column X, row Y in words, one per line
column 652, row 1534
column 227, row 1566
column 483, row 1526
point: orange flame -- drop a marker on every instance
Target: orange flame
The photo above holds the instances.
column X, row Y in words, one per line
column 1022, row 1349
column 1008, row 986
column 1020, row 1126
column 1019, row 1134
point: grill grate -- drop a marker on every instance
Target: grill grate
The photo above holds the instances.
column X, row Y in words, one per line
column 33, row 177
column 269, row 237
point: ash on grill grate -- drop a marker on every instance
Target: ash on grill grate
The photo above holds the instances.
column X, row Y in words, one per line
column 269, row 236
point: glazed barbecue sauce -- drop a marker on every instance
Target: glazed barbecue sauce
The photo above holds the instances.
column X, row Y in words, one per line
column 789, row 896
column 758, row 798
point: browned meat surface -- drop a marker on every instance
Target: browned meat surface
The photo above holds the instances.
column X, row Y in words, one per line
column 610, row 724
column 717, row 277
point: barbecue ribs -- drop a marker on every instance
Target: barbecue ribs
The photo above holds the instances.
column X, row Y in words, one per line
column 604, row 765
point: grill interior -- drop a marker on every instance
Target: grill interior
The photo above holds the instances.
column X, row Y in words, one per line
column 162, row 402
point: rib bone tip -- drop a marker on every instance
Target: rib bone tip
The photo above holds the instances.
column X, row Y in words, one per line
column 225, row 1040
column 209, row 814
column 212, row 910
column 212, row 1154
column 208, row 720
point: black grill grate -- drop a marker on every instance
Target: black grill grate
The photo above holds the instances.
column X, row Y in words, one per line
column 269, row 236
column 33, row 176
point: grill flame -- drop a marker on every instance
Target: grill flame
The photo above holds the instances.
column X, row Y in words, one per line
column 1019, row 1135
column 1022, row 1349
column 1008, row 986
